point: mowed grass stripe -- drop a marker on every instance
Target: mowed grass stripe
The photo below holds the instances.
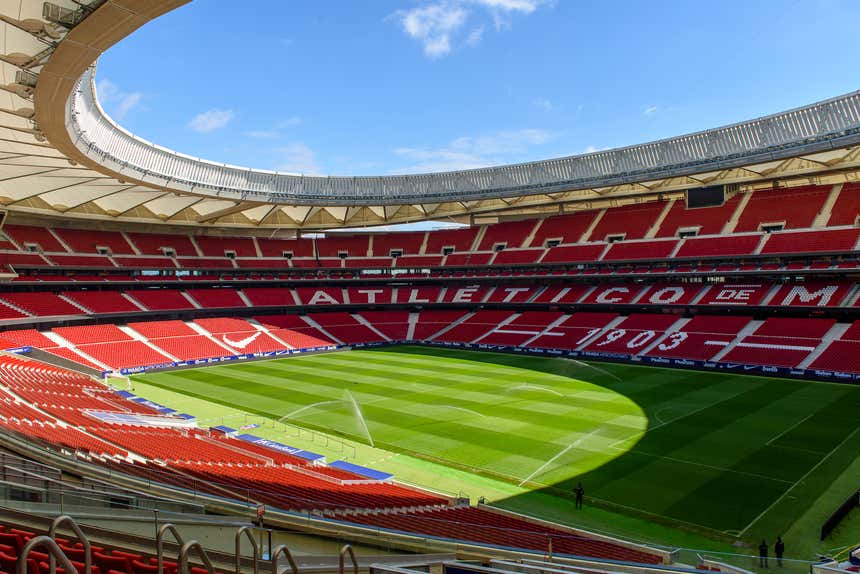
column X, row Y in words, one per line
column 649, row 462
column 740, row 450
column 748, row 436
column 511, row 409
column 422, row 431
column 719, row 450
column 717, row 499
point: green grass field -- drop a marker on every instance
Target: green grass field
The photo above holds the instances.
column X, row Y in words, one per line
column 720, row 455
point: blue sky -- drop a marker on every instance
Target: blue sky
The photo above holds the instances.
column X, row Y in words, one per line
column 380, row 87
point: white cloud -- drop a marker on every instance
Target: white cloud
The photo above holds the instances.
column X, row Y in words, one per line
column 525, row 6
column 500, row 10
column 473, row 152
column 650, row 110
column 433, row 25
column 436, row 24
column 211, row 120
column 119, row 102
column 289, row 122
column 475, row 36
column 544, row 104
column 298, row 158
column 263, row 134
column 275, row 132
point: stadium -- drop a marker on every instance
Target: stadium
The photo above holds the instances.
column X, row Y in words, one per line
column 641, row 359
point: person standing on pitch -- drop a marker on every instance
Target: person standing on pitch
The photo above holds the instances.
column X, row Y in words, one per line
column 580, row 494
column 779, row 550
column 762, row 555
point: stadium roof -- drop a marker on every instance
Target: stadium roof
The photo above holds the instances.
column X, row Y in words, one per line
column 62, row 156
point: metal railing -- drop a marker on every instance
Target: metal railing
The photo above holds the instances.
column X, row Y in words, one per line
column 82, row 538
column 185, row 551
column 347, row 551
column 820, row 126
column 248, row 533
column 159, row 543
column 279, row 551
column 53, row 549
column 29, row 483
column 186, row 548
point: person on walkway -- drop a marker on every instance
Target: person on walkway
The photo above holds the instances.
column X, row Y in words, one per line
column 762, row 555
column 779, row 550
column 580, row 494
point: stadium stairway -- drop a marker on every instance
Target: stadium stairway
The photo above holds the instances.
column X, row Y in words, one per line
column 823, row 216
column 599, row 333
column 202, row 331
column 674, row 328
column 321, row 329
column 260, row 327
column 73, row 350
column 749, row 329
column 370, row 326
column 244, row 298
column 450, row 326
column 549, row 327
column 138, row 337
column 732, row 222
column 833, row 334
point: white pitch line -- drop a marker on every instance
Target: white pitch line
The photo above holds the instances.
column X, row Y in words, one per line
column 712, row 467
column 679, row 417
column 791, row 428
column 799, row 480
column 797, row 448
column 557, row 456
column 391, row 456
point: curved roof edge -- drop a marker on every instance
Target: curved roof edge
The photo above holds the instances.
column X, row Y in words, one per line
column 831, row 124
column 62, row 173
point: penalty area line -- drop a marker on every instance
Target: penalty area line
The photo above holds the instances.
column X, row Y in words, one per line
column 675, row 419
column 789, row 429
column 800, row 480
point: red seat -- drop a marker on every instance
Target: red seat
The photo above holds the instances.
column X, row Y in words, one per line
column 13, row 540
column 10, row 564
column 79, row 566
column 139, row 567
column 39, row 556
column 123, row 554
column 75, row 553
column 119, row 563
column 93, row 547
column 169, row 567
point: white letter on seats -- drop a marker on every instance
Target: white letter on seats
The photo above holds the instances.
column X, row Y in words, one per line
column 673, row 341
column 371, row 294
column 640, row 339
column 413, row 297
column 322, row 297
column 612, row 336
column 464, row 295
column 735, row 295
column 800, row 292
column 512, row 292
column 667, row 295
column 604, row 297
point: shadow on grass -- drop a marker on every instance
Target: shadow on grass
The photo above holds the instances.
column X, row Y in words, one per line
column 709, row 462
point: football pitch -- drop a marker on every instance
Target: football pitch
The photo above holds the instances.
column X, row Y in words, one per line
column 715, row 452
